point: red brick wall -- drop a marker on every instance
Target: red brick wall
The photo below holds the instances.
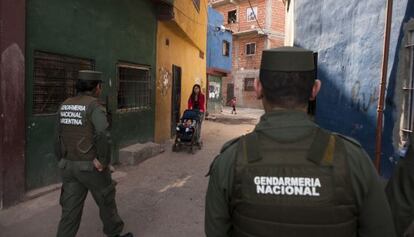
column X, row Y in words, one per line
column 276, row 42
column 278, row 16
column 261, row 14
column 242, row 23
column 250, row 100
column 224, row 9
column 277, row 19
column 240, row 59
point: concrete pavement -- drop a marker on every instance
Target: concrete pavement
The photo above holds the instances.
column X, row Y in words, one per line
column 161, row 197
column 243, row 116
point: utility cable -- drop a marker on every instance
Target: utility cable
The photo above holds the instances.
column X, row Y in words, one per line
column 255, row 17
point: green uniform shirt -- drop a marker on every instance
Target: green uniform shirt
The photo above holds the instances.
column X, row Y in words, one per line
column 374, row 218
column 400, row 192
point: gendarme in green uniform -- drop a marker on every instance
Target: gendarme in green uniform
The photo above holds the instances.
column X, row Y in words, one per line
column 82, row 147
column 400, row 192
column 291, row 178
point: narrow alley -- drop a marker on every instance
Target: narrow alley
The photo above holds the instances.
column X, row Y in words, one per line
column 163, row 196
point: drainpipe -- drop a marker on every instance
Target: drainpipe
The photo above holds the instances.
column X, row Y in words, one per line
column 380, row 110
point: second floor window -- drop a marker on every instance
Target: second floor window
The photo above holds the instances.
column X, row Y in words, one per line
column 226, row 48
column 232, row 17
column 250, row 48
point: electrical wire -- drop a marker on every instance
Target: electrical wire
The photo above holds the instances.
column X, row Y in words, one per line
column 255, row 17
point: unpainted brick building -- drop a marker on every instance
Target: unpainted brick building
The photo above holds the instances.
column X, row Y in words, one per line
column 256, row 25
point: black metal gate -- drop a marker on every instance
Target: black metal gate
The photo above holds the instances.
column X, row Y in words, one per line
column 176, row 97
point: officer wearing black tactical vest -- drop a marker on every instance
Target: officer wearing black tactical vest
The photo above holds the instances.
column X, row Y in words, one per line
column 83, row 149
column 289, row 177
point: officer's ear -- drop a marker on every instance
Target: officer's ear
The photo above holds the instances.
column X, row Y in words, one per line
column 315, row 89
column 258, row 88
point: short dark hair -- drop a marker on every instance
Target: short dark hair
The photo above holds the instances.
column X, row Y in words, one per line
column 287, row 89
column 86, row 85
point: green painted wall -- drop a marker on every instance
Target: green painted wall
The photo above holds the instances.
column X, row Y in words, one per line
column 106, row 31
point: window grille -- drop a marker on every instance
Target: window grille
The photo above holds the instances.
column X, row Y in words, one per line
column 54, row 80
column 249, row 84
column 409, row 90
column 250, row 48
column 134, row 92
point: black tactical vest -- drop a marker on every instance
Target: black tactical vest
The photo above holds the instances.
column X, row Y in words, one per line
column 293, row 189
column 76, row 128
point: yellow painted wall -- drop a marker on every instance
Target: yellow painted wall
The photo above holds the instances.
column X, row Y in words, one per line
column 192, row 22
column 187, row 35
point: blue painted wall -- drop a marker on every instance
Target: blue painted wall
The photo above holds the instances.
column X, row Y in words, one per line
column 348, row 35
column 215, row 58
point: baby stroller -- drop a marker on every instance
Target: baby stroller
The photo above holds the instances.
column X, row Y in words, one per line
column 188, row 132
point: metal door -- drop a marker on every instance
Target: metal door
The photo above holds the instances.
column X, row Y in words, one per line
column 176, row 97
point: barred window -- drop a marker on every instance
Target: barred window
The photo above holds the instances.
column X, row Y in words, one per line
column 408, row 111
column 54, row 80
column 250, row 48
column 134, row 92
column 249, row 84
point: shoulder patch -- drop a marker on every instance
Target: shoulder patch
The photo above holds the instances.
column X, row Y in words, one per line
column 229, row 144
column 349, row 139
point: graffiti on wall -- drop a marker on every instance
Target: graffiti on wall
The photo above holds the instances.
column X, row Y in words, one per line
column 164, row 82
column 214, row 90
column 363, row 100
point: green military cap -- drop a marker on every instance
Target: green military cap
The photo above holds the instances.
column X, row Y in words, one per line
column 287, row 59
column 89, row 75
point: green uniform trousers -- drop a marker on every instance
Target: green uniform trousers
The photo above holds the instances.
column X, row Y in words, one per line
column 78, row 177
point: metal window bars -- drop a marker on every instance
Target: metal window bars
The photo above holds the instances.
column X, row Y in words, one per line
column 408, row 88
column 134, row 91
column 54, row 80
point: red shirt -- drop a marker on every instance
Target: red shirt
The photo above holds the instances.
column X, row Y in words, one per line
column 201, row 102
column 233, row 102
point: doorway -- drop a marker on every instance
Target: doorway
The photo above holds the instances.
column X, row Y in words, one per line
column 176, row 97
column 230, row 93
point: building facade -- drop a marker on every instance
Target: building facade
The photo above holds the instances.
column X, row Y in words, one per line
column 256, row 25
column 350, row 50
column 219, row 55
column 181, row 60
column 43, row 45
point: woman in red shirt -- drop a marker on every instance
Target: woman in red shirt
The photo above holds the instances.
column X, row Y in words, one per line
column 197, row 99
